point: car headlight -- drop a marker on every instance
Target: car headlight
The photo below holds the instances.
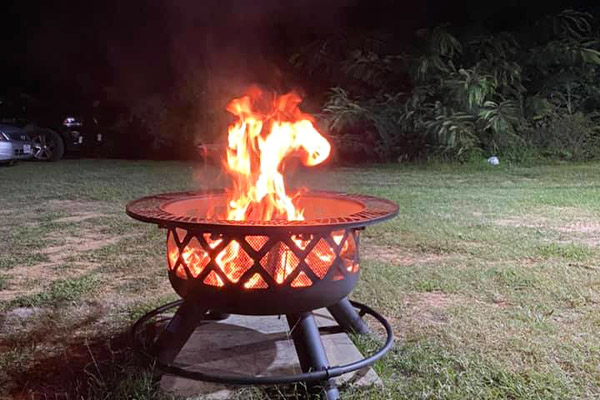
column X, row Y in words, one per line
column 71, row 121
column 3, row 137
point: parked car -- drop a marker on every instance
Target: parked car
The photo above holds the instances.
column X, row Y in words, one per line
column 15, row 144
column 53, row 131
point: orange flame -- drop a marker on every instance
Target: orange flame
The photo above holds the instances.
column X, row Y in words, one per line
column 258, row 143
column 268, row 129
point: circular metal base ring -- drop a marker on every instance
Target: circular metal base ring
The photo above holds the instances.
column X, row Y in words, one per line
column 313, row 376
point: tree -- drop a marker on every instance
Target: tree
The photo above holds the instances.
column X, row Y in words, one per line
column 461, row 94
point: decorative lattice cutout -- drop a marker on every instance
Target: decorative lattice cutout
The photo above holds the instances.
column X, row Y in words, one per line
column 349, row 255
column 212, row 240
column 194, row 257
column 302, row 280
column 302, row 241
column 181, row 233
column 172, row 250
column 228, row 258
column 337, row 275
column 256, row 281
column 213, row 279
column 234, row 261
column 320, row 258
column 280, row 262
column 338, row 236
column 256, row 242
column 180, row 272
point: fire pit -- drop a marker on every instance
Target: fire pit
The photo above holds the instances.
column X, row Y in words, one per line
column 257, row 251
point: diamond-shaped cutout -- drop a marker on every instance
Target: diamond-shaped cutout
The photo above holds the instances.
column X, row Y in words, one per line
column 180, row 272
column 302, row 280
column 195, row 257
column 302, row 241
column 256, row 242
column 337, row 275
column 180, row 234
column 320, row 258
column 213, row 279
column 256, row 281
column 212, row 240
column 172, row 250
column 348, row 264
column 234, row 261
column 348, row 252
column 349, row 247
column 337, row 236
column 279, row 262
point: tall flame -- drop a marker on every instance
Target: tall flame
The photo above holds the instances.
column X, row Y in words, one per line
column 268, row 130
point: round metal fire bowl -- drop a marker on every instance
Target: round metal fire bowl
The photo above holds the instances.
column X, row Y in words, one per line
column 308, row 377
column 324, row 211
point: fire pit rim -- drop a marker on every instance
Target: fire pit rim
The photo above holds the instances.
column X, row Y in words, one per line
column 150, row 209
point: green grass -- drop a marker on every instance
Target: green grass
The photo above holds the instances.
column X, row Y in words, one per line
column 490, row 277
column 3, row 282
column 61, row 291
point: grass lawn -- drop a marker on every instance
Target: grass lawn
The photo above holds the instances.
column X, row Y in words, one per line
column 490, row 276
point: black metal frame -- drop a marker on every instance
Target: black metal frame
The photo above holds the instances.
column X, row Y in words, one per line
column 316, row 370
column 277, row 298
column 152, row 209
column 202, row 301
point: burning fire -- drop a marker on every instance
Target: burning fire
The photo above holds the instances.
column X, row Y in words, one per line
column 258, row 143
column 268, row 130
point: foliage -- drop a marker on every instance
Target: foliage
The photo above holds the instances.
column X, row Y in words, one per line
column 462, row 93
column 170, row 123
column 379, row 113
column 568, row 137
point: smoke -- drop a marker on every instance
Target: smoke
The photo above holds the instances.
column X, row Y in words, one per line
column 183, row 61
column 220, row 48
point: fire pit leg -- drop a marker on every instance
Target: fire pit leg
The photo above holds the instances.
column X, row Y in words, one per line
column 311, row 352
column 178, row 331
column 347, row 317
column 213, row 315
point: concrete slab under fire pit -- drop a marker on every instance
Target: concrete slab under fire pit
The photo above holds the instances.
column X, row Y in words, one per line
column 252, row 345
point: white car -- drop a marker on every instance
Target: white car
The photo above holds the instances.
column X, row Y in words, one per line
column 15, row 144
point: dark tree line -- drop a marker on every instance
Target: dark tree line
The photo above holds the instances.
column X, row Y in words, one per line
column 459, row 93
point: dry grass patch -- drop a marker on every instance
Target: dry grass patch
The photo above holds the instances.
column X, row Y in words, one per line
column 584, row 231
column 425, row 311
column 527, row 221
column 61, row 264
column 63, row 236
column 74, row 246
column 400, row 256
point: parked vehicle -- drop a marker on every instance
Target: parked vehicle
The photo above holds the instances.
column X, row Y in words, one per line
column 53, row 131
column 15, row 144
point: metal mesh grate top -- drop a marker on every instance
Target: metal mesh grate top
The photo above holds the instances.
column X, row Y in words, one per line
column 323, row 210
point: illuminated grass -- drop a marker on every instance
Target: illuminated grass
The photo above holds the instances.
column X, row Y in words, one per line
column 490, row 277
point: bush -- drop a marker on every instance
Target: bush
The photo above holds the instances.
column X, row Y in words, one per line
column 567, row 137
column 450, row 97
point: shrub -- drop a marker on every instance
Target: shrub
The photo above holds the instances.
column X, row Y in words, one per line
column 568, row 137
column 454, row 96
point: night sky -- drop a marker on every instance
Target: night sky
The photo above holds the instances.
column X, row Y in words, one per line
column 82, row 48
